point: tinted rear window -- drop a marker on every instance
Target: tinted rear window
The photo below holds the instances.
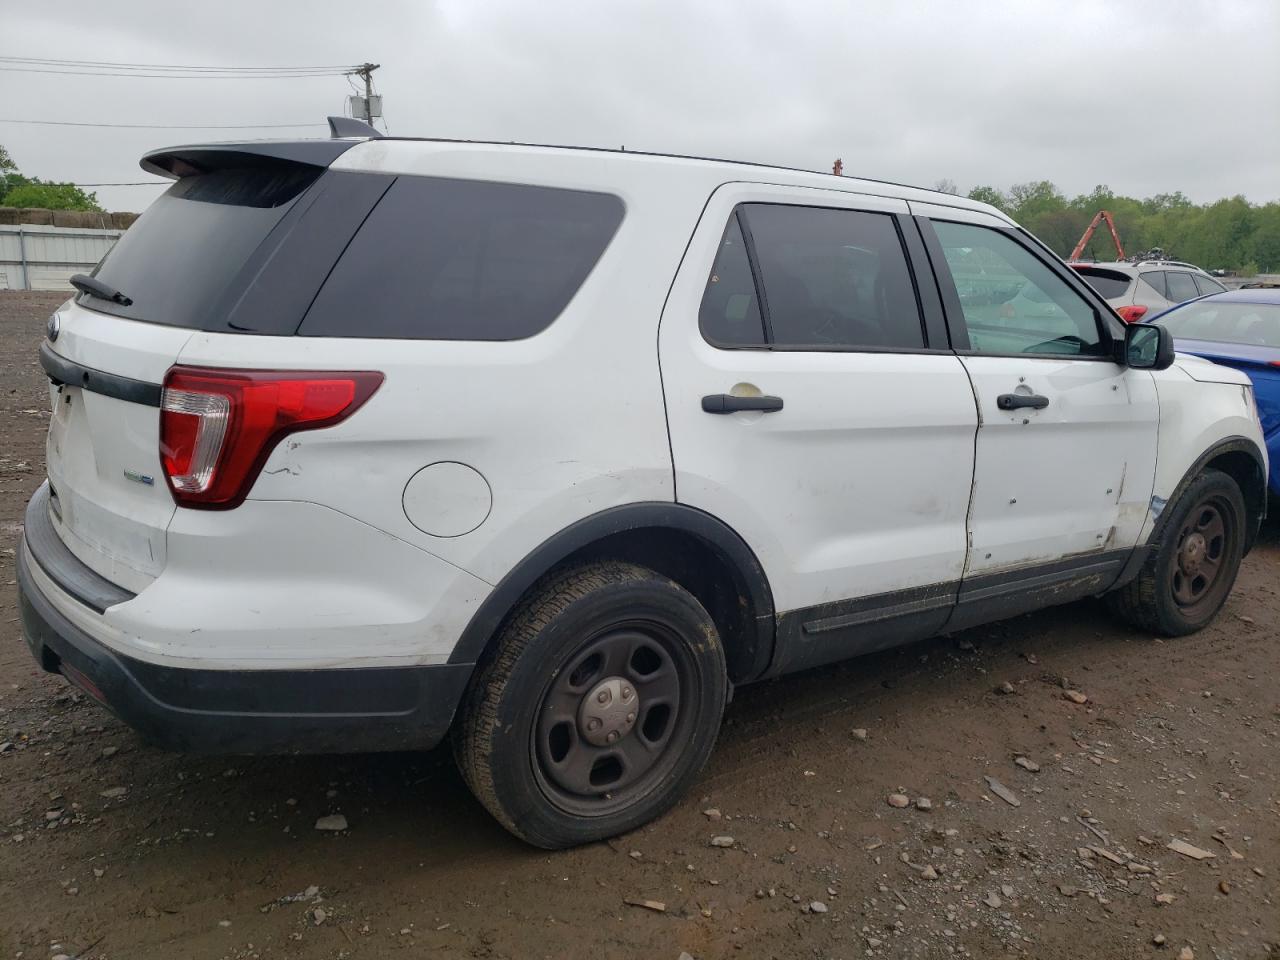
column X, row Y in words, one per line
column 442, row 259
column 1109, row 283
column 833, row 278
column 179, row 259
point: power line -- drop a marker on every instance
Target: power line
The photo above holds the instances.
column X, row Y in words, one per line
column 165, row 126
column 173, row 76
column 181, row 67
column 135, row 183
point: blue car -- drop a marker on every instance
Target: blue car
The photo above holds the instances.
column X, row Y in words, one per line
column 1241, row 329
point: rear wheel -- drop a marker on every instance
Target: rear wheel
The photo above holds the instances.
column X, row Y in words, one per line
column 1187, row 577
column 599, row 708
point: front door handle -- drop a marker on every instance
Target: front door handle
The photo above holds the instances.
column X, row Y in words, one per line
column 1016, row 401
column 728, row 403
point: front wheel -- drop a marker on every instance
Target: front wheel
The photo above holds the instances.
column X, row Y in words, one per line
column 599, row 708
column 1189, row 573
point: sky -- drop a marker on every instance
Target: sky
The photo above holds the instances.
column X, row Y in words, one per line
column 1146, row 98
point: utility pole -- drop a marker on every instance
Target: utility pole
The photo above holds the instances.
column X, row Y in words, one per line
column 365, row 71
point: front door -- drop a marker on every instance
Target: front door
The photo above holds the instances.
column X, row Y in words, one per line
column 1067, row 444
column 811, row 411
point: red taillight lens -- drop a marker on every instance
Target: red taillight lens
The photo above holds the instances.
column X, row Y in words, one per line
column 1131, row 314
column 217, row 427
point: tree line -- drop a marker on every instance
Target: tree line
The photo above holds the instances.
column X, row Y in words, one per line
column 17, row 190
column 1229, row 234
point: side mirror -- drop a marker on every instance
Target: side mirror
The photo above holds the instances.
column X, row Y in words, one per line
column 1148, row 346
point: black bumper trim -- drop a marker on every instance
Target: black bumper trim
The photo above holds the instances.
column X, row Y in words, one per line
column 69, row 572
column 61, row 371
column 351, row 710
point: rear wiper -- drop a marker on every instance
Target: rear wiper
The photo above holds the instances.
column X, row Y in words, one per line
column 96, row 288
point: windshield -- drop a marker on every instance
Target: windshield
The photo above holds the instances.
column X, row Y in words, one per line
column 1225, row 321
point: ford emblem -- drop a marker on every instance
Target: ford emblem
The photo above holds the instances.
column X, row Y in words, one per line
column 53, row 327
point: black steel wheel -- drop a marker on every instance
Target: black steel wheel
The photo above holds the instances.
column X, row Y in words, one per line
column 599, row 707
column 1193, row 563
column 1204, row 544
column 612, row 719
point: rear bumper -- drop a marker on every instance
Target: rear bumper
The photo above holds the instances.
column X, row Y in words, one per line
column 261, row 711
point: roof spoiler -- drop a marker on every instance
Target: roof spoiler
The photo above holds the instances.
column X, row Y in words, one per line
column 178, row 162
column 342, row 127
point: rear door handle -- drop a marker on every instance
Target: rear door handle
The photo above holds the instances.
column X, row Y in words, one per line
column 1016, row 401
column 727, row 403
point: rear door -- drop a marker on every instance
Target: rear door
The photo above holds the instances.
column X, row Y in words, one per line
column 814, row 407
column 1067, row 443
column 207, row 255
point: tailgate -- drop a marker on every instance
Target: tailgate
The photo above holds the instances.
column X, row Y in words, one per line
column 108, row 499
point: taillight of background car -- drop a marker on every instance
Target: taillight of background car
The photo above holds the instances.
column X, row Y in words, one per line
column 1132, row 313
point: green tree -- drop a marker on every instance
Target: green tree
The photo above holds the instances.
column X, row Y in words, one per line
column 50, row 196
column 989, row 195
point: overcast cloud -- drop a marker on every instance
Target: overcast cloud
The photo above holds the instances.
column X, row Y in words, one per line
column 1145, row 97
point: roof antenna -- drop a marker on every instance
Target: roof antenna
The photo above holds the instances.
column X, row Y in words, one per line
column 837, row 168
column 342, row 127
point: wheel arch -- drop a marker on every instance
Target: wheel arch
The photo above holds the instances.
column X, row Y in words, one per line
column 695, row 549
column 1240, row 459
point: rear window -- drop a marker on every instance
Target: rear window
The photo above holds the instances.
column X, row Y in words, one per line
column 442, row 259
column 179, row 259
column 1110, row 284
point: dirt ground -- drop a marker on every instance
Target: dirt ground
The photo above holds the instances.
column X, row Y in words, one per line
column 112, row 849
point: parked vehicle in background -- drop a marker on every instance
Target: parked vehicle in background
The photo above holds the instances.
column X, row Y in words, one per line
column 1241, row 329
column 359, row 443
column 1138, row 291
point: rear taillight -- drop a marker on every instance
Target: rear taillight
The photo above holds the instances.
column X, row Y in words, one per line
column 217, row 427
column 1131, row 314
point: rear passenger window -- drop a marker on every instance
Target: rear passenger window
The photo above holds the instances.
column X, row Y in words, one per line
column 1155, row 280
column 445, row 259
column 832, row 279
column 1181, row 286
column 730, row 312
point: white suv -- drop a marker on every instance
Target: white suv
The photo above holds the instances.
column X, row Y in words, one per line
column 358, row 442
column 1141, row 291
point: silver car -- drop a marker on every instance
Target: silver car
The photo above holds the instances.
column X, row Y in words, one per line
column 1139, row 291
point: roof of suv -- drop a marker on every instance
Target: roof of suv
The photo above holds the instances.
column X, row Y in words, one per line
column 1143, row 266
column 168, row 161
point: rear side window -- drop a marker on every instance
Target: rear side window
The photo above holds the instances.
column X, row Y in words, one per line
column 830, row 278
column 1180, row 286
column 442, row 259
column 1109, row 283
column 185, row 252
column 1207, row 286
column 730, row 311
column 1155, row 280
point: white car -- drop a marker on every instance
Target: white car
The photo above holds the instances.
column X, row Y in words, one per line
column 1143, row 290
column 359, row 442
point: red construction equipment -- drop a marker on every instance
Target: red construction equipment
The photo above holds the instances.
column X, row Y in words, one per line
column 1093, row 225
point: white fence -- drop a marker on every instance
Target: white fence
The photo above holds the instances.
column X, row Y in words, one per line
column 44, row 258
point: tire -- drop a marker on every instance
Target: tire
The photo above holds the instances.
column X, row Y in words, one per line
column 1176, row 592
column 598, row 708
